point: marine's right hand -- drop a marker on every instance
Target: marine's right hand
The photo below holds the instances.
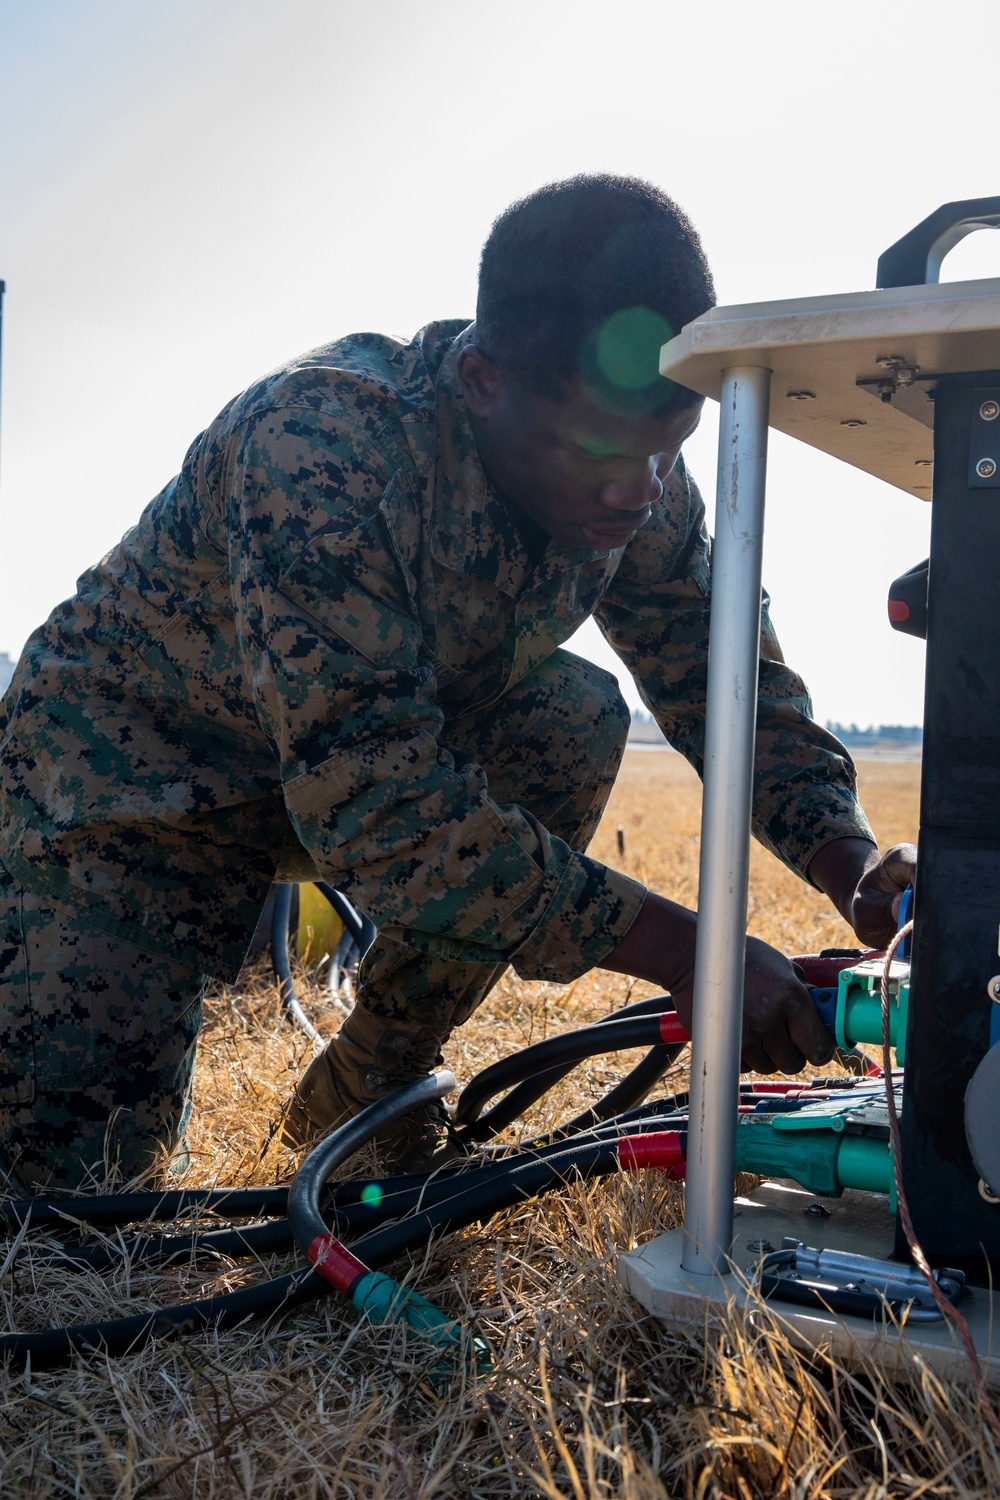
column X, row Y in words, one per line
column 781, row 1028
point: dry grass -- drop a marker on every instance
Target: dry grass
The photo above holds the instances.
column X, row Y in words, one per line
column 590, row 1397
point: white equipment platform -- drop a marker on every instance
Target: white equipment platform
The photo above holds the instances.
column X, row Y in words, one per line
column 819, row 348
column 857, row 1222
column 853, row 375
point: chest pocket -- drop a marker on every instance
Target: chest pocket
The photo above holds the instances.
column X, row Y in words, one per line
column 468, row 627
column 351, row 580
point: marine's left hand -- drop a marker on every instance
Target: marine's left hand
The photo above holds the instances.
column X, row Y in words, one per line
column 865, row 888
column 875, row 908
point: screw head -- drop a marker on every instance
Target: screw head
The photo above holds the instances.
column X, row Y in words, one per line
column 801, row 395
column 922, row 463
column 853, row 422
column 986, row 468
column 990, row 410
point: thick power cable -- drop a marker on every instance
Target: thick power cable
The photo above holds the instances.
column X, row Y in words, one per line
column 358, row 929
column 630, row 1091
column 447, row 1200
column 614, row 1035
column 116, row 1336
column 131, row 1208
column 362, row 931
column 281, row 915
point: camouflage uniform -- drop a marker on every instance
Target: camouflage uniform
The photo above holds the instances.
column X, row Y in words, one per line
column 314, row 652
column 98, row 1046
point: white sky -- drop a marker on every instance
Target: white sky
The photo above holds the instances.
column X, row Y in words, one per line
column 193, row 190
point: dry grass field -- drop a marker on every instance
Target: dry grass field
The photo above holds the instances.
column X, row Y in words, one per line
column 589, row 1396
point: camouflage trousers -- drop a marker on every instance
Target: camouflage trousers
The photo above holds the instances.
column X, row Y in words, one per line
column 97, row 1037
column 552, row 746
column 97, row 1048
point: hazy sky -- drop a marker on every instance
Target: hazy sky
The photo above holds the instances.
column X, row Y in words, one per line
column 193, row 190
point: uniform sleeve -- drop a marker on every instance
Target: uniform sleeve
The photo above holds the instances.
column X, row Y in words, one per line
column 330, row 639
column 656, row 616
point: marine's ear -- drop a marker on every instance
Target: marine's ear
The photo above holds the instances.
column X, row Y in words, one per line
column 483, row 384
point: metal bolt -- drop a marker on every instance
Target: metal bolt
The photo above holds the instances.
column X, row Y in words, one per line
column 853, row 422
column 993, row 989
column 760, row 1247
column 902, row 371
column 801, row 395
column 989, row 411
column 817, row 1211
column 986, row 468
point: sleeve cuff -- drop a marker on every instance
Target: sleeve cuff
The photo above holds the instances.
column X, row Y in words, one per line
column 591, row 910
column 810, row 823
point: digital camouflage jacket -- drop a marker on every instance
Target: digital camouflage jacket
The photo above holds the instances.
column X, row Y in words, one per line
column 259, row 678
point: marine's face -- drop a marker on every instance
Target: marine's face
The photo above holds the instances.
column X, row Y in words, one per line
column 586, row 477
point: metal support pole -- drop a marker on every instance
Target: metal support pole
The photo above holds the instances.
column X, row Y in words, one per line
column 730, row 720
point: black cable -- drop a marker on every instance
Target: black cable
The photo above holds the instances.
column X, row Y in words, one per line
column 127, row 1335
column 480, row 1201
column 360, row 928
column 569, row 1048
column 357, row 1207
column 280, row 918
column 339, row 963
column 363, row 1206
column 256, row 1240
column 420, row 1206
column 115, row 1336
column 120, row 1336
column 631, row 1091
column 633, row 1088
column 304, row 1194
column 134, row 1208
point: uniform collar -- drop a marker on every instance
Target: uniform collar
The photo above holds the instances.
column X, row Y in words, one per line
column 473, row 530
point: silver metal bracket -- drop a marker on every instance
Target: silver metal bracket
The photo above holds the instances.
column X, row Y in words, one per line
column 857, row 1284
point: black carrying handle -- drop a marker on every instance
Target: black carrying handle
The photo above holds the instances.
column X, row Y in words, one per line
column 915, row 260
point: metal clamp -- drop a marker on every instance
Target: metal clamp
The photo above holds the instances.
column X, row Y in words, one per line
column 857, row 1284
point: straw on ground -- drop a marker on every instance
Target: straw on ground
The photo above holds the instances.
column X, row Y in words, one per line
column 589, row 1398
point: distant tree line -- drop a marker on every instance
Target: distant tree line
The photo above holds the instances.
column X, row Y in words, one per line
column 850, row 734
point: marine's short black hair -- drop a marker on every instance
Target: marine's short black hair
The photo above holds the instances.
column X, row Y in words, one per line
column 583, row 281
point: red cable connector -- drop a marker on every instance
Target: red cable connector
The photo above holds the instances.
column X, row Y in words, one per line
column 660, row 1148
column 671, row 1030
column 335, row 1263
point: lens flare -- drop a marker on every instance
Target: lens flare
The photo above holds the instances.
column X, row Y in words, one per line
column 628, row 347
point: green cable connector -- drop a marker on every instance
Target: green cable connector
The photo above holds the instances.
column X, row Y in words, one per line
column 814, row 1147
column 859, row 1005
column 383, row 1301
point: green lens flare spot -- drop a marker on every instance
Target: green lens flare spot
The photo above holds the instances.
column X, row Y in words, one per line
column 372, row 1193
column 628, row 347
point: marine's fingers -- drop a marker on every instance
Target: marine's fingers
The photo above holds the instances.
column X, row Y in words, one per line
column 808, row 1032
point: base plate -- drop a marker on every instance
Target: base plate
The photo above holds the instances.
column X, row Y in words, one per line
column 858, row 1222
